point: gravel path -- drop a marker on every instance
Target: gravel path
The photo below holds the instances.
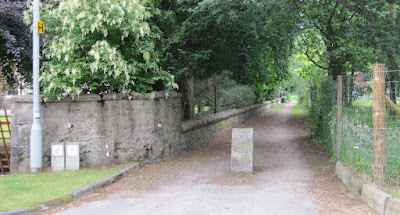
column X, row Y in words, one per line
column 291, row 176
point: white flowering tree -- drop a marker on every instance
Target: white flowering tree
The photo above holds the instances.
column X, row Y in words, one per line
column 100, row 46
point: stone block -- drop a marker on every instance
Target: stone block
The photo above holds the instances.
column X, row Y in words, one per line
column 353, row 182
column 374, row 198
column 242, row 150
column 57, row 157
column 392, row 207
column 72, row 156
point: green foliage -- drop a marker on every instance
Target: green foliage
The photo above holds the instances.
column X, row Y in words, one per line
column 236, row 97
column 15, row 45
column 376, row 29
column 252, row 39
column 316, row 91
column 292, row 98
column 329, row 37
column 230, row 94
column 358, row 149
column 322, row 110
column 100, row 47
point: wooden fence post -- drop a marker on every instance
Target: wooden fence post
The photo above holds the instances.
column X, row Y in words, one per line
column 379, row 118
column 339, row 116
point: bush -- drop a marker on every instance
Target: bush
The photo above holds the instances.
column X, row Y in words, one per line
column 322, row 110
column 237, row 97
column 230, row 94
column 100, row 47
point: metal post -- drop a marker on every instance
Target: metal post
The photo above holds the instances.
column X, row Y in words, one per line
column 339, row 116
column 36, row 130
column 215, row 98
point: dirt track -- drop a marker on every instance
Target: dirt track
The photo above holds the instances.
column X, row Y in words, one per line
column 292, row 176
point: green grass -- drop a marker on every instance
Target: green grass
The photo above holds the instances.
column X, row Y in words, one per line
column 299, row 111
column 23, row 190
column 358, row 152
column 394, row 192
column 278, row 107
column 5, row 129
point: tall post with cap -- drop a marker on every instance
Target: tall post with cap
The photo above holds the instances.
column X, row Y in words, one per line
column 36, row 130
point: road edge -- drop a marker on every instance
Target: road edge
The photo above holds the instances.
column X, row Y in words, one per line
column 375, row 198
column 77, row 194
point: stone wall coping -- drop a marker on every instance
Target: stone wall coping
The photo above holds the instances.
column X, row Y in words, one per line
column 196, row 123
column 97, row 97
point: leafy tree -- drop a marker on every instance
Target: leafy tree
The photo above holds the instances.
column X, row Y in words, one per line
column 99, row 47
column 379, row 30
column 249, row 38
column 328, row 38
column 15, row 44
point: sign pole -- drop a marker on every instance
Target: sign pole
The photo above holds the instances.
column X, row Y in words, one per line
column 36, row 130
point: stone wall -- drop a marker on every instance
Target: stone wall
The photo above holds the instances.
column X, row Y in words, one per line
column 199, row 130
column 110, row 129
column 115, row 129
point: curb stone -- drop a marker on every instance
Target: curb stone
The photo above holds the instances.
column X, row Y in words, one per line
column 376, row 199
column 77, row 194
column 353, row 182
column 90, row 188
column 392, row 206
column 16, row 212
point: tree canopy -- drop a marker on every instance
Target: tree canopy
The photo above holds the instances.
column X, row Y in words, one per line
column 123, row 46
column 344, row 36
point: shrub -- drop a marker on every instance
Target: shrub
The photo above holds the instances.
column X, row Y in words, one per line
column 322, row 110
column 100, row 46
column 230, row 94
column 237, row 97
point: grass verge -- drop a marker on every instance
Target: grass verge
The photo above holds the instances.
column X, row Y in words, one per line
column 299, row 111
column 278, row 107
column 23, row 190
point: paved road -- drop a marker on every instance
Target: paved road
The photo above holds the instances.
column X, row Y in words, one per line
column 199, row 182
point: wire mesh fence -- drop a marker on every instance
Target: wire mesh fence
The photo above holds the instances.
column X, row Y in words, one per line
column 370, row 126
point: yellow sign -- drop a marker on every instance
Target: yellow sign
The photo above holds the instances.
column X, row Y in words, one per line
column 40, row 27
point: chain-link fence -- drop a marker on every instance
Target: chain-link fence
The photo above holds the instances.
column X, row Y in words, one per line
column 367, row 136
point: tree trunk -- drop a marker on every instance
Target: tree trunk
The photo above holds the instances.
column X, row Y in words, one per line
column 188, row 97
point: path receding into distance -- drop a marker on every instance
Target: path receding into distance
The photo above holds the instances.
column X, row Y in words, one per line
column 291, row 177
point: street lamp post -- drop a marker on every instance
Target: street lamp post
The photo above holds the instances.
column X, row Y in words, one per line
column 36, row 130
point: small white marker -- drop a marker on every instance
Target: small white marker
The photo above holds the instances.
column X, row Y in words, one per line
column 36, row 115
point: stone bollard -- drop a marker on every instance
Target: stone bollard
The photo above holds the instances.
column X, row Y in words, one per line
column 242, row 150
column 57, row 157
column 72, row 156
